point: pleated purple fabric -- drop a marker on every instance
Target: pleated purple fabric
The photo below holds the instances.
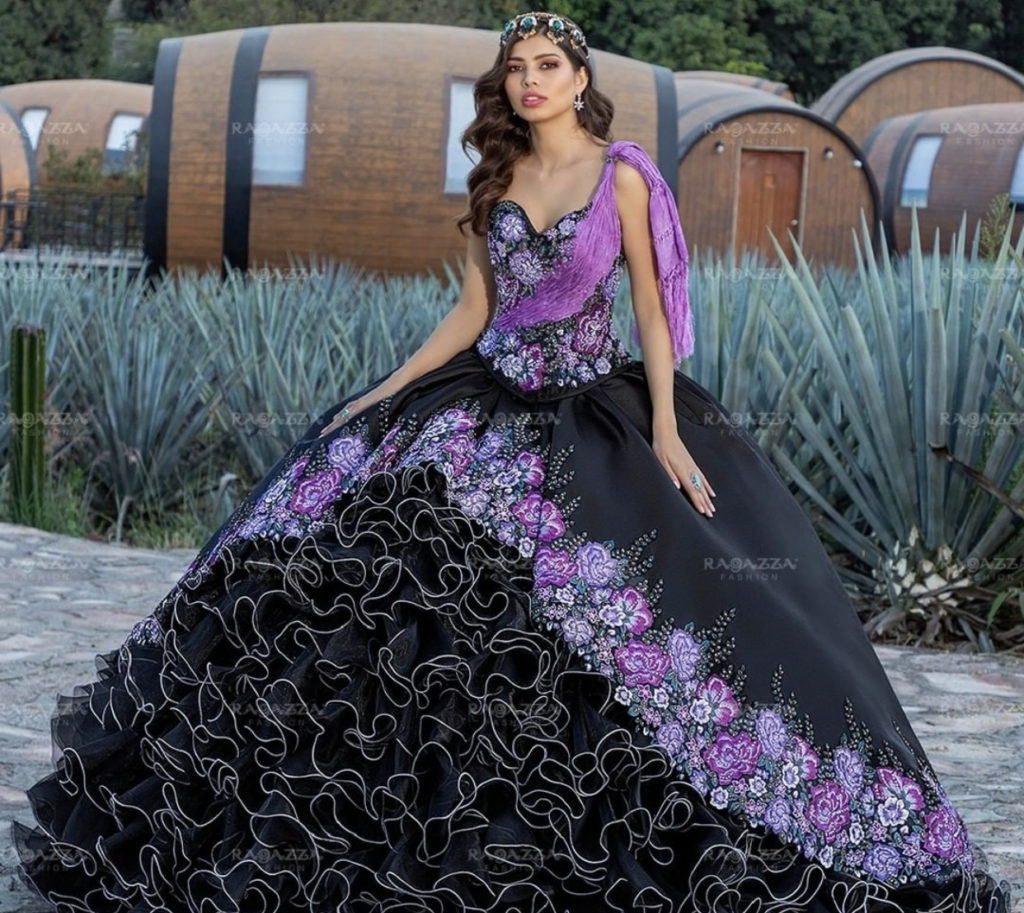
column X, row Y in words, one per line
column 598, row 241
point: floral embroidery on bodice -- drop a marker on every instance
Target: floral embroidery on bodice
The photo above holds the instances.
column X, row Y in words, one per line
column 548, row 357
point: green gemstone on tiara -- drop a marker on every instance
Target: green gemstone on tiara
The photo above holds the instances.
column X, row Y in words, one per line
column 526, row 25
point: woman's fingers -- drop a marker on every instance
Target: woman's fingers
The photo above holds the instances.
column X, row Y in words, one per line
column 700, row 492
column 341, row 416
column 683, row 471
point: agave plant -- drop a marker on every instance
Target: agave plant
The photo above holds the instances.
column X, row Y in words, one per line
column 730, row 302
column 287, row 346
column 1011, row 404
column 140, row 377
column 910, row 364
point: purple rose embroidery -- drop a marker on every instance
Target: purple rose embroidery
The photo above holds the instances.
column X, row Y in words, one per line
column 771, row 732
column 805, row 758
column 671, row 736
column 346, row 453
column 553, row 567
column 778, row 815
column 889, row 781
column 591, row 332
column 541, row 518
column 642, row 664
column 720, row 698
column 719, row 797
column 530, row 468
column 456, row 420
column 530, row 373
column 829, row 809
column 945, row 832
column 510, row 227
column 577, row 630
column 525, row 265
column 733, row 756
column 474, row 502
column 596, row 564
column 849, row 767
column 527, row 512
column 313, row 494
column 490, row 445
column 685, row 654
column 459, row 447
column 882, row 861
column 636, row 613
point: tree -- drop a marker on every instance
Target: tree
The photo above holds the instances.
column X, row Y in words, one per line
column 687, row 35
column 813, row 44
column 55, row 39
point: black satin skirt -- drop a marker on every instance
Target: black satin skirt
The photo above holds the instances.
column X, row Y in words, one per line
column 474, row 651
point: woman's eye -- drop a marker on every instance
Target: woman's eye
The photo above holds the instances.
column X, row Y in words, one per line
column 513, row 67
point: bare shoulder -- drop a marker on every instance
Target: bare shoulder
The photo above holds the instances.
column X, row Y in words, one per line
column 630, row 185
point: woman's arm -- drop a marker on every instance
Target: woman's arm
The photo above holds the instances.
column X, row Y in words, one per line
column 461, row 325
column 632, row 199
column 457, row 331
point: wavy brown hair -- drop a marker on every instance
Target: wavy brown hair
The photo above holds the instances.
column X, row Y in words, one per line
column 500, row 137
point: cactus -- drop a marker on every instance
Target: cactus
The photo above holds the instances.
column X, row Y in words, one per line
column 28, row 391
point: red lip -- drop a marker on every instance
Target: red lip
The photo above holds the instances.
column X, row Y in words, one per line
column 534, row 100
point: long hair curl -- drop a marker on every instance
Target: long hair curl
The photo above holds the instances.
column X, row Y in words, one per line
column 500, row 137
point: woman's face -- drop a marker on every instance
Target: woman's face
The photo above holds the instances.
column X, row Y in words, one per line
column 539, row 66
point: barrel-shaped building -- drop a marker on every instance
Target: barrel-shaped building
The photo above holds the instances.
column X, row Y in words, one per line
column 947, row 162
column 915, row 79
column 770, row 86
column 17, row 175
column 339, row 139
column 73, row 115
column 751, row 163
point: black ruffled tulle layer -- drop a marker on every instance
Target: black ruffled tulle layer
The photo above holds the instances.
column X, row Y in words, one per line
column 364, row 720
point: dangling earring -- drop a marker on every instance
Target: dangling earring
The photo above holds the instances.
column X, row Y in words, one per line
column 578, row 104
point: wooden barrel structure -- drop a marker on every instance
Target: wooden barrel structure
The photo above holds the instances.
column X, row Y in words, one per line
column 78, row 114
column 278, row 142
column 740, row 79
column 915, row 79
column 750, row 162
column 17, row 175
column 947, row 161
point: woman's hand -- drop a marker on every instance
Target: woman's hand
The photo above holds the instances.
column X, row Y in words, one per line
column 672, row 452
column 351, row 410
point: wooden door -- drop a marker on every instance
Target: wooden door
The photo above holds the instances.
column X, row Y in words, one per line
column 771, row 184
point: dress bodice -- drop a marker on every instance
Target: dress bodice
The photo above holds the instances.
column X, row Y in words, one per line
column 552, row 331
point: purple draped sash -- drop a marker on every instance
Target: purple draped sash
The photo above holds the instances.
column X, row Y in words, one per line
column 597, row 243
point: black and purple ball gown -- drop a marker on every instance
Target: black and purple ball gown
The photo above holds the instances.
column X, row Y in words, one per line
column 474, row 651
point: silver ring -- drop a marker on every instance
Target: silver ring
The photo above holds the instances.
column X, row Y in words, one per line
column 695, row 480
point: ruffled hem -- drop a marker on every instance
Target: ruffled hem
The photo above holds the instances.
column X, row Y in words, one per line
column 364, row 719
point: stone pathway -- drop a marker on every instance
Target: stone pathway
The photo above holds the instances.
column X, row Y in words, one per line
column 63, row 600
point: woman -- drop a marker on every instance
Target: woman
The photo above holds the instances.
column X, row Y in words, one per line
column 474, row 643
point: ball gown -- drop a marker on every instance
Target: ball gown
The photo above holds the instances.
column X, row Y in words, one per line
column 473, row 651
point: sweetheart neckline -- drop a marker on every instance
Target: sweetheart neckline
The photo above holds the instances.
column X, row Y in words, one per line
column 550, row 228
column 593, row 196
